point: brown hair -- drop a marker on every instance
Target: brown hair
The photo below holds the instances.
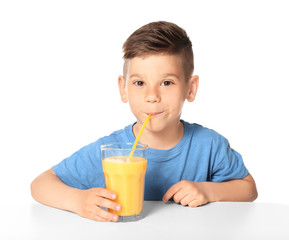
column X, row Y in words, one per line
column 160, row 37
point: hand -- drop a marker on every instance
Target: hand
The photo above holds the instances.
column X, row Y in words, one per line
column 188, row 193
column 91, row 201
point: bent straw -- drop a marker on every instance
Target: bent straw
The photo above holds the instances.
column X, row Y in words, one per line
column 138, row 137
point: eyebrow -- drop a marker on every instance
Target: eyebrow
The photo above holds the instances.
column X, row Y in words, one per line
column 171, row 75
column 136, row 75
column 164, row 75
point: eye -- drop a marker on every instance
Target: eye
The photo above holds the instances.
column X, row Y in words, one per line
column 139, row 83
column 167, row 83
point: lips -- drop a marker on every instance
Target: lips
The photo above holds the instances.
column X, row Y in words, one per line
column 153, row 114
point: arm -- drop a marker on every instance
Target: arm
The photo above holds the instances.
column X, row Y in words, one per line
column 198, row 193
column 50, row 190
column 243, row 190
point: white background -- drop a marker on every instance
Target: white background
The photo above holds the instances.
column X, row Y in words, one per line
column 59, row 63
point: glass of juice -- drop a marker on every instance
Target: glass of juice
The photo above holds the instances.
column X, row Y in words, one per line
column 125, row 177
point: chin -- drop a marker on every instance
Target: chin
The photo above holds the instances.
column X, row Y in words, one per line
column 156, row 127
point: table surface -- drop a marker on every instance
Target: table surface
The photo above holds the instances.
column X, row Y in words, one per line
column 221, row 220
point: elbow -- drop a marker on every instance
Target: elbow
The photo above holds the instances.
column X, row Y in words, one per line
column 253, row 196
column 39, row 185
column 251, row 188
column 253, row 192
column 33, row 188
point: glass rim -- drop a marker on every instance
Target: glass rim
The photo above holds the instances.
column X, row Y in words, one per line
column 109, row 146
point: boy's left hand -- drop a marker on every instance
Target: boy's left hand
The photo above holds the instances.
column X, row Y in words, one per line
column 188, row 193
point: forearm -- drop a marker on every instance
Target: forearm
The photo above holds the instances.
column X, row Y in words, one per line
column 50, row 190
column 243, row 190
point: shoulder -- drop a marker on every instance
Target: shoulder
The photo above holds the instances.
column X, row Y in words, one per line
column 92, row 148
column 121, row 135
column 203, row 134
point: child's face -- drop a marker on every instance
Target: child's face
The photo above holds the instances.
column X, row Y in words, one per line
column 156, row 85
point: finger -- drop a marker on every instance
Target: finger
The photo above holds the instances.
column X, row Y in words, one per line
column 97, row 218
column 180, row 195
column 187, row 199
column 102, row 192
column 171, row 191
column 103, row 202
column 195, row 203
column 103, row 215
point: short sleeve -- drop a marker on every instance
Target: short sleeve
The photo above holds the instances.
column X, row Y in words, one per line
column 228, row 163
column 83, row 169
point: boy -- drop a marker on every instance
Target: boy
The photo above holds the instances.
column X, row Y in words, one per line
column 191, row 164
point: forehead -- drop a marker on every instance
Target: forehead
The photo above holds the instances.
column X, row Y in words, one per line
column 156, row 64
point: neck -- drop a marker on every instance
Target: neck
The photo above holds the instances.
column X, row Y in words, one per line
column 162, row 140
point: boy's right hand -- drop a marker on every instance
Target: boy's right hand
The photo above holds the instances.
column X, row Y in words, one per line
column 91, row 201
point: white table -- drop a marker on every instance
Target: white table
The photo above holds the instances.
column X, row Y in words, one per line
column 161, row 221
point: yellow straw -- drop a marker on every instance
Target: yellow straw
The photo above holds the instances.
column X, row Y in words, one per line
column 138, row 137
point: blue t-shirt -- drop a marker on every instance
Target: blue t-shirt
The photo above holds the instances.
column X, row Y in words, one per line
column 201, row 155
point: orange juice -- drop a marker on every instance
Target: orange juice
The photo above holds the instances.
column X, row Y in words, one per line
column 126, row 178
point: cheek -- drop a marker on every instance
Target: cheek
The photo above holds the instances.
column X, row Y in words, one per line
column 133, row 97
column 175, row 101
column 134, row 101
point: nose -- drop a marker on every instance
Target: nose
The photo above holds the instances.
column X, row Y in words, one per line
column 152, row 95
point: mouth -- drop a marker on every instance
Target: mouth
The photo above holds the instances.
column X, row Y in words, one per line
column 154, row 114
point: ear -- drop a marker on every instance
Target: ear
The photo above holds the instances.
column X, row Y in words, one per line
column 122, row 89
column 193, row 88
